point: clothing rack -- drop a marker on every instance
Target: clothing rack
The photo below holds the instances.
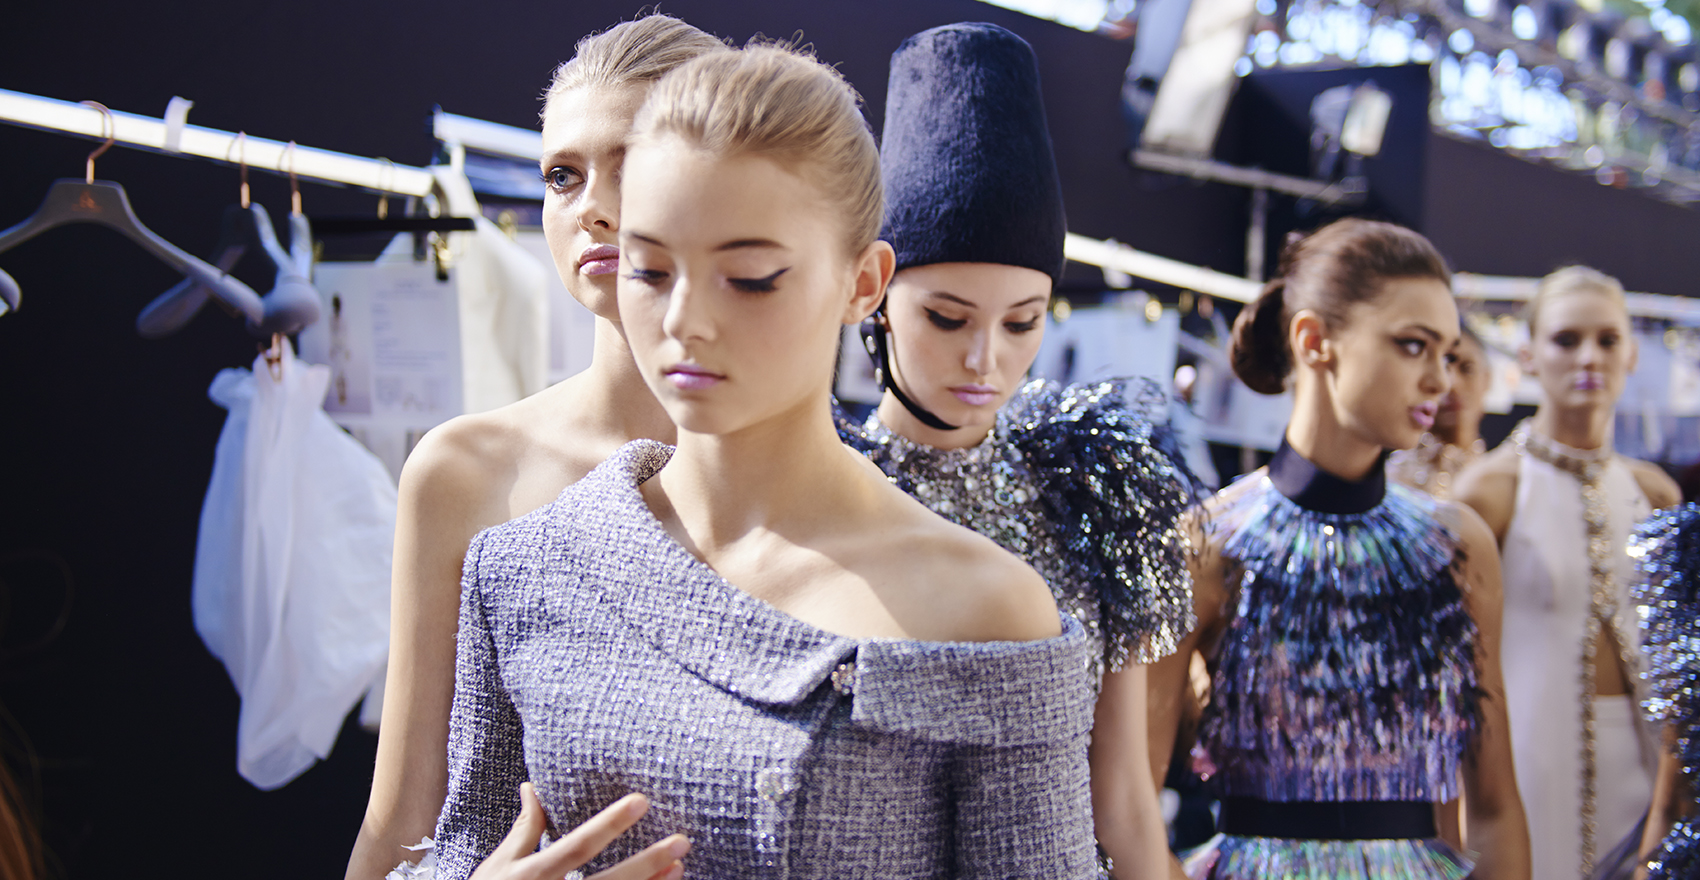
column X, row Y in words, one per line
column 173, row 136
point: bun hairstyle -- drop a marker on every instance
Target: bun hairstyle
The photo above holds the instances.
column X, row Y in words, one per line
column 1328, row 271
column 633, row 52
column 1574, row 279
column 781, row 103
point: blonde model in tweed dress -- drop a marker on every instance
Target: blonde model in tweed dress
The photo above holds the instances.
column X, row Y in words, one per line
column 805, row 671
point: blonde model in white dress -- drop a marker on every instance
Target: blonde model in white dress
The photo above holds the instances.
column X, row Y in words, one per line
column 1555, row 558
column 1562, row 505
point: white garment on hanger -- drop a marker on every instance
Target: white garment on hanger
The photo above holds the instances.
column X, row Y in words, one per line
column 504, row 305
column 292, row 567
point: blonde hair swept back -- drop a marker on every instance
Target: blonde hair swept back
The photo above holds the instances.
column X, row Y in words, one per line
column 779, row 102
column 636, row 52
column 1574, row 279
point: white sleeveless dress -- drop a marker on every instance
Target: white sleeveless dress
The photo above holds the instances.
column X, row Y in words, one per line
column 1546, row 567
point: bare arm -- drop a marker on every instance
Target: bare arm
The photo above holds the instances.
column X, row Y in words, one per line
column 439, row 511
column 1168, row 679
column 1125, row 812
column 1496, row 827
column 1668, row 804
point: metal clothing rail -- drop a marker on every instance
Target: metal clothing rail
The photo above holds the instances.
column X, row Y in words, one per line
column 260, row 154
column 1503, row 288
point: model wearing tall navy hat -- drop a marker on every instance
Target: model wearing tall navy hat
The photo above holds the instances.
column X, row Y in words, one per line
column 1083, row 482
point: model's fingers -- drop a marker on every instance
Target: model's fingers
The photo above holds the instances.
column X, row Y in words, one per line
column 528, row 827
column 659, row 861
column 587, row 840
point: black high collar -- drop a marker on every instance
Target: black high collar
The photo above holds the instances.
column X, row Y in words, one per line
column 1313, row 488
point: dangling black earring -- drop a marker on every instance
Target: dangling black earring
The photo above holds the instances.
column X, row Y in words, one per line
column 873, row 333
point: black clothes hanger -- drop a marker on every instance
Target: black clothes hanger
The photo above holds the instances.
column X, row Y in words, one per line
column 104, row 202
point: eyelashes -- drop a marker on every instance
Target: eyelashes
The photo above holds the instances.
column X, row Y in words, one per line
column 757, row 285
column 656, row 277
column 560, row 179
column 943, row 323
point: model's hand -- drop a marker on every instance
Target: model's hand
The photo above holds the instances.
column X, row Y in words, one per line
column 516, row 858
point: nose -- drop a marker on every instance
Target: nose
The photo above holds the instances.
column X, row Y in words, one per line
column 687, row 317
column 1589, row 353
column 599, row 206
column 981, row 359
column 1437, row 379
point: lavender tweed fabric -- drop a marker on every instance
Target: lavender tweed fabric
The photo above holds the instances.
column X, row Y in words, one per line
column 597, row 657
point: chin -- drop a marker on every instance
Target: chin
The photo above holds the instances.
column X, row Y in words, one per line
column 596, row 294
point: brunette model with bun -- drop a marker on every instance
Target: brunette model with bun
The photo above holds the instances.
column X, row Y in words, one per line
column 479, row 470
column 1352, row 625
column 808, row 673
column 1561, row 505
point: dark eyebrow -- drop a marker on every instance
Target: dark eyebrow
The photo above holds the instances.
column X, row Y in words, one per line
column 646, row 239
column 749, row 243
column 1434, row 334
column 951, row 297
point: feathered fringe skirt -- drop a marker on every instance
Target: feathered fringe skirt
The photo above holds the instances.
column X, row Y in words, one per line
column 1225, row 857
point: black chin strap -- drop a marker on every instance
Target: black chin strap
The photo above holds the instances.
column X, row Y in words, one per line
column 873, row 339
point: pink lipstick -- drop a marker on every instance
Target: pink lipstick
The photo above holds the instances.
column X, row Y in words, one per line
column 1423, row 414
column 1589, row 382
column 600, row 259
column 974, row 394
column 690, row 377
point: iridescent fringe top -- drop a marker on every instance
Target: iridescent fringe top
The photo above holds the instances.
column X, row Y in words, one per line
column 1666, row 550
column 1348, row 670
column 1086, row 484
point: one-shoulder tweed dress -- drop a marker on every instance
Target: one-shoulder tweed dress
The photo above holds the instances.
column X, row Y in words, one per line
column 597, row 656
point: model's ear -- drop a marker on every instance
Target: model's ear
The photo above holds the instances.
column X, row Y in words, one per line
column 1307, row 337
column 1526, row 359
column 1634, row 351
column 874, row 267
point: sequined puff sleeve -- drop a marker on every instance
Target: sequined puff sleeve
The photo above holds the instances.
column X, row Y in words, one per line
column 1117, row 486
column 486, row 746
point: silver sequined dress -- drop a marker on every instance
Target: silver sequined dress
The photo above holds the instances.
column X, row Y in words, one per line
column 597, row 656
column 1084, row 483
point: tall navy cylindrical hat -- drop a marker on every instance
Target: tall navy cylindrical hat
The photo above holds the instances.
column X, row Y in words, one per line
column 970, row 176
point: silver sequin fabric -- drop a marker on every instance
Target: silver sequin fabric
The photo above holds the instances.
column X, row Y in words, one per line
column 1086, row 485
column 1666, row 593
column 597, row 656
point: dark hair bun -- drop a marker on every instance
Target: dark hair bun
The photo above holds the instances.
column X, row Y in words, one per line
column 1259, row 350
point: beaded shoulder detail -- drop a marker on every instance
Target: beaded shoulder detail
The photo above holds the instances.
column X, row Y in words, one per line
column 1348, row 669
column 1087, row 484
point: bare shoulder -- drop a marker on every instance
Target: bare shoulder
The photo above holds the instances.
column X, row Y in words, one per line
column 1478, row 554
column 496, row 465
column 1661, row 490
column 460, row 460
column 1488, row 486
column 970, row 588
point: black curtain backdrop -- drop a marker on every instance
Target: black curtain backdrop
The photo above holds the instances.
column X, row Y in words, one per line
column 119, row 722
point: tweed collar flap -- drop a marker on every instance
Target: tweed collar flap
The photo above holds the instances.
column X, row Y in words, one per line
column 997, row 694
column 680, row 605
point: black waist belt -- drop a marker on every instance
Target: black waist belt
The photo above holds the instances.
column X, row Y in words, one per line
column 1328, row 820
